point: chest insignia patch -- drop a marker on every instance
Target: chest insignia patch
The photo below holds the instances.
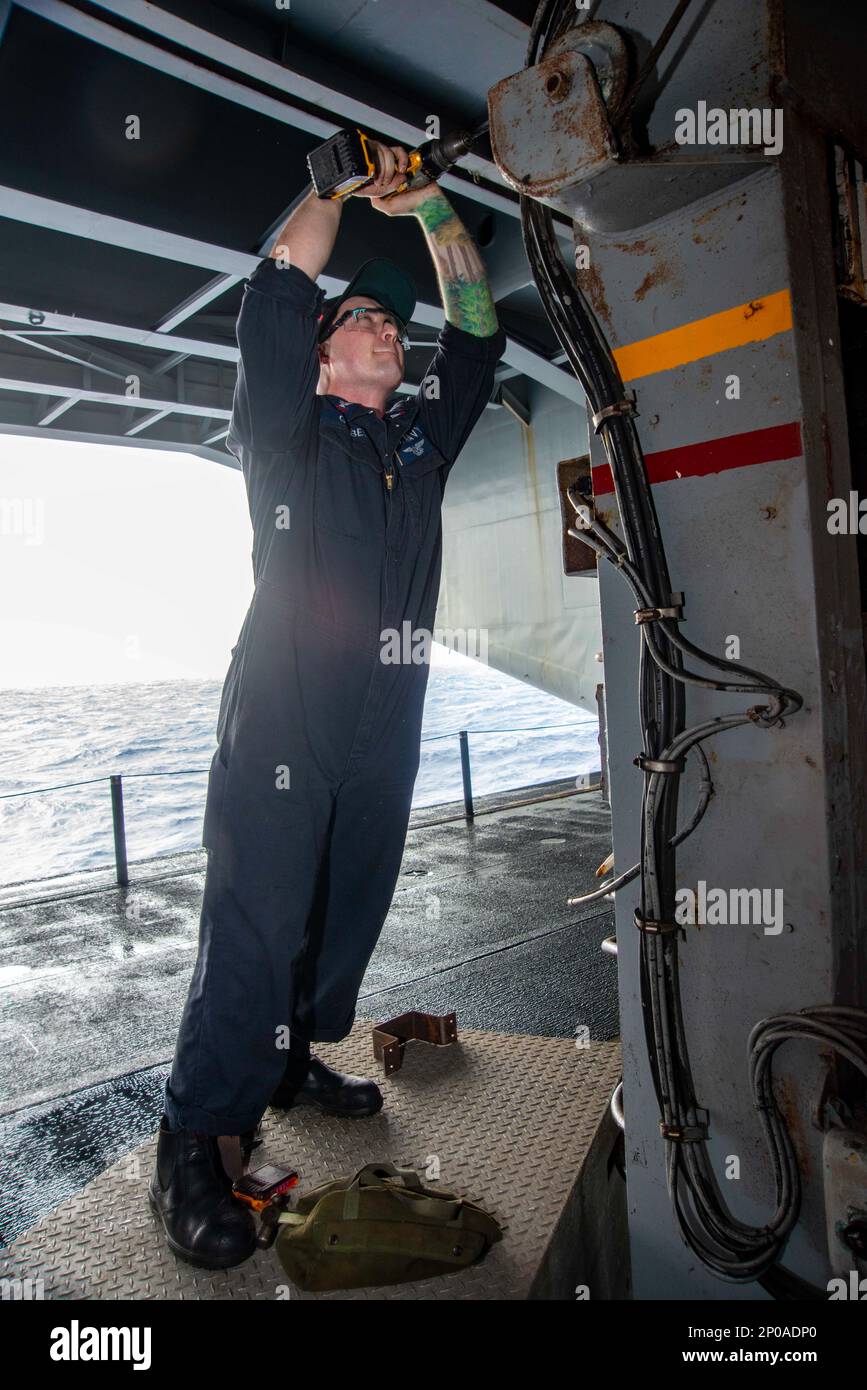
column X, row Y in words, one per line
column 414, row 445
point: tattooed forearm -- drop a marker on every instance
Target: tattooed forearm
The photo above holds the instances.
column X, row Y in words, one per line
column 461, row 273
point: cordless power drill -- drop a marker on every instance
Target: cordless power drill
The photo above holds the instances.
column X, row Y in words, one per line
column 347, row 161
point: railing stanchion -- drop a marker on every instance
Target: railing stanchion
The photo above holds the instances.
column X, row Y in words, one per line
column 119, row 830
column 116, row 781
column 465, row 773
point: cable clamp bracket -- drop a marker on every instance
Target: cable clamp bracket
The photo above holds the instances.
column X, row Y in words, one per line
column 672, row 766
column 683, row 1134
column 653, row 615
column 624, row 407
column 651, row 927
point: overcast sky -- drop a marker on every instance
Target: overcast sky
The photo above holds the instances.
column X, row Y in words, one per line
column 122, row 564
column 118, row 564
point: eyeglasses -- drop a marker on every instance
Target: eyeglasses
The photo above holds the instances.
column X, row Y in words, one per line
column 366, row 319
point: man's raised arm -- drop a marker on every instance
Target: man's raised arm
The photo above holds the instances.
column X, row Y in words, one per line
column 463, row 280
column 307, row 237
column 460, row 378
column 275, row 394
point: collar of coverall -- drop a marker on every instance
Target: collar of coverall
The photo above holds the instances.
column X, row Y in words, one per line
column 397, row 414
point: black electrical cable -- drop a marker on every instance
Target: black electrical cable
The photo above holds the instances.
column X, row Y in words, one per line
column 625, row 109
column 601, row 539
column 661, row 698
column 600, row 380
column 732, row 1249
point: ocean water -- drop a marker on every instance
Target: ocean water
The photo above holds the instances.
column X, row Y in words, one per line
column 155, row 733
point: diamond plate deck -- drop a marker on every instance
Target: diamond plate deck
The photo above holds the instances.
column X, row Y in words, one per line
column 511, row 1119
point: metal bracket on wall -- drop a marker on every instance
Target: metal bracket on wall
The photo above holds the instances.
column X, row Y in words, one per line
column 390, row 1038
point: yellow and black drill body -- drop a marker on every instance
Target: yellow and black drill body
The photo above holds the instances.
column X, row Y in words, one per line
column 347, row 162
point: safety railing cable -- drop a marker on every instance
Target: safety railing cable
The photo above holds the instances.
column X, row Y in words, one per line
column 116, row 780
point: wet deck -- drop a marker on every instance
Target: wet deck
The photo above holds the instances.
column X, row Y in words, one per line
column 95, row 978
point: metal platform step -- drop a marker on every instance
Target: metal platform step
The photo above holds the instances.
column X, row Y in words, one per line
column 517, row 1123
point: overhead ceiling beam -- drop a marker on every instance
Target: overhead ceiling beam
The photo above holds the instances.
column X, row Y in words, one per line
column 507, row 266
column 43, row 388
column 504, row 373
column 547, row 373
column 66, row 356
column 197, row 301
column 87, row 356
column 174, row 361
column 96, row 358
column 506, row 282
column 115, row 231
column 137, row 442
column 165, row 25
column 56, row 411
column 55, row 352
column 112, row 330
column 510, row 402
column 64, row 325
column 149, row 420
column 120, row 333
column 218, row 286
column 152, row 241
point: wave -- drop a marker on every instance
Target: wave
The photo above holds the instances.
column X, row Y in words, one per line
column 85, row 733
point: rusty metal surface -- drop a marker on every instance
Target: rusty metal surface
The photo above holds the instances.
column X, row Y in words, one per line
column 605, row 47
column 844, row 1169
column 510, row 1121
column 574, row 474
column 390, row 1038
column 750, row 548
column 548, row 125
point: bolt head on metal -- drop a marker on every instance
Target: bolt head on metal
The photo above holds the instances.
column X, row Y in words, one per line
column 557, row 85
column 854, row 1236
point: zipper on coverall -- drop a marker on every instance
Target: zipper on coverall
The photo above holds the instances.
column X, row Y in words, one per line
column 388, row 473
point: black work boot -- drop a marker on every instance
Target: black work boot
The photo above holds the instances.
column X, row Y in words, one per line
column 191, row 1193
column 308, row 1081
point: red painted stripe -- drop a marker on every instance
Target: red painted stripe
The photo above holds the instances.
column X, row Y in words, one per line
column 713, row 456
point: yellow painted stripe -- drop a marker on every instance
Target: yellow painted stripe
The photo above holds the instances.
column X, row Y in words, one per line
column 747, row 323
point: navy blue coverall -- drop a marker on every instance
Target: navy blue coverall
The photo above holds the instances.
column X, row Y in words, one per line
column 318, row 739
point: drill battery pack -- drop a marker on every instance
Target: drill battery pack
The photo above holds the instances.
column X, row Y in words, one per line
column 343, row 164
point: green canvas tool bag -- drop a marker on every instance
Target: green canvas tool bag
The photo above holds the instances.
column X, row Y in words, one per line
column 380, row 1227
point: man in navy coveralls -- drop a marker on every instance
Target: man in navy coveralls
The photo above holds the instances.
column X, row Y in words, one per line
column 318, row 737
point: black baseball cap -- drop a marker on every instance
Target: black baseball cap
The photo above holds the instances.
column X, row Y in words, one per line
column 378, row 279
